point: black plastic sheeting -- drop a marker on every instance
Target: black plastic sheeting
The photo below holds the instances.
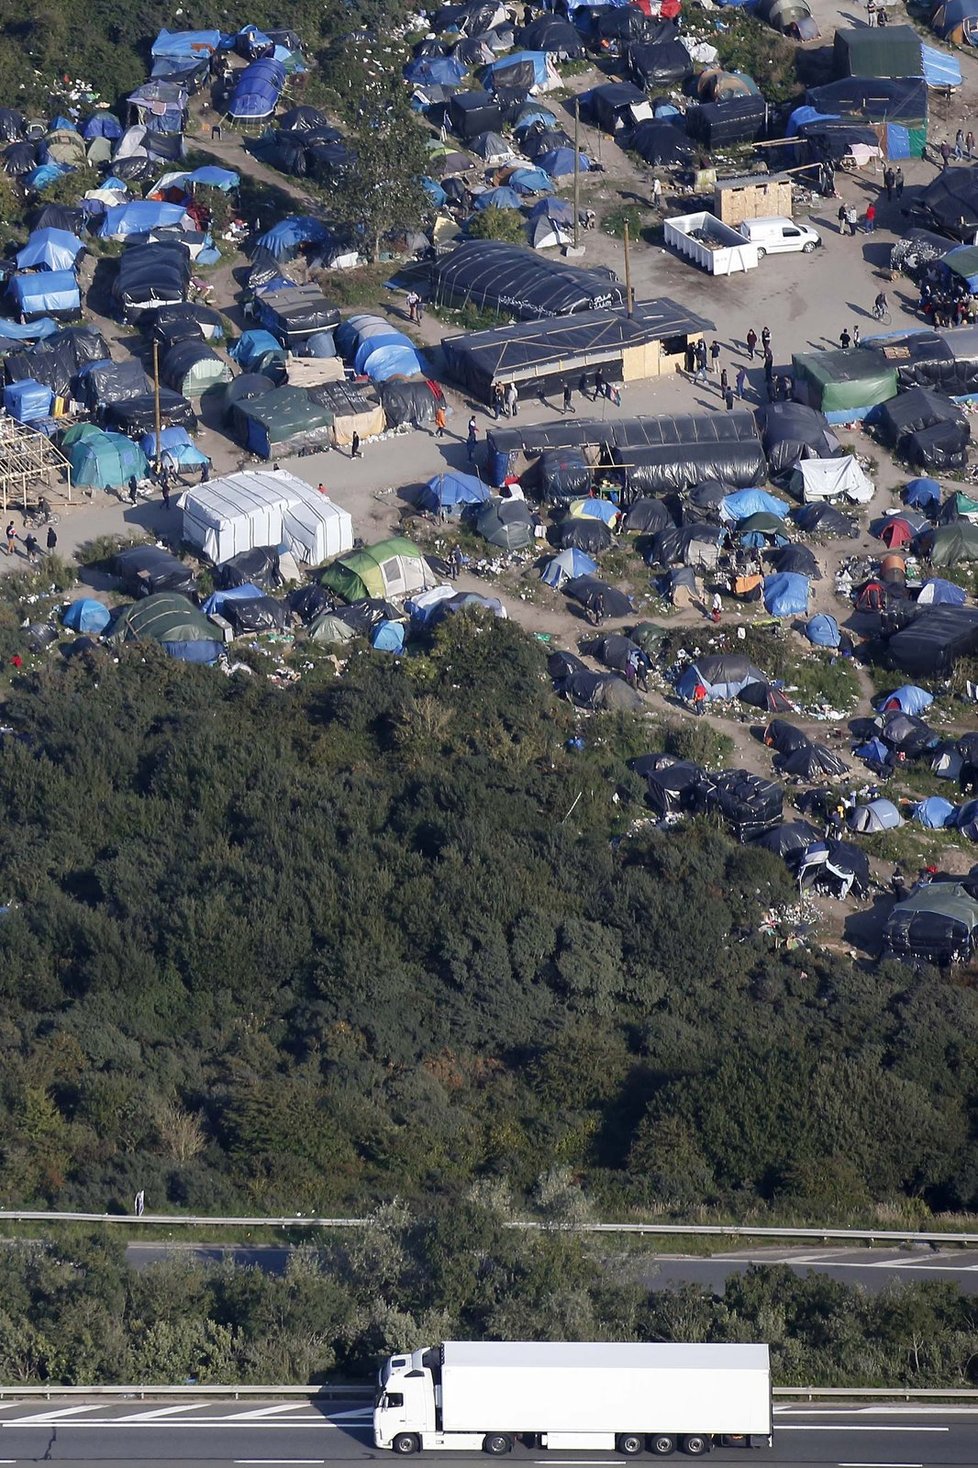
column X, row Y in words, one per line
column 648, row 517
column 183, row 322
column 723, row 124
column 673, row 789
column 11, row 125
column 926, row 429
column 472, row 113
column 610, row 105
column 144, row 569
column 111, row 382
column 136, row 416
column 787, row 840
column 152, row 274
column 659, row 142
column 58, row 216
column 256, row 614
column 679, row 451
column 561, row 475
column 748, row 803
column 800, row 559
column 259, row 567
column 811, row 761
column 880, row 99
column 408, row 401
column 950, row 203
column 831, row 139
column 659, row 64
column 297, row 312
column 825, row 520
column 580, row 532
column 792, row 431
column 934, row 640
column 57, row 359
column 308, row 601
column 497, row 276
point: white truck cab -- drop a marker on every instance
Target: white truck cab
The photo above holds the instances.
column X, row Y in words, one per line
column 778, row 235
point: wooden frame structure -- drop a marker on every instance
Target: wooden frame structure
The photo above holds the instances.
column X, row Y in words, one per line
column 29, row 462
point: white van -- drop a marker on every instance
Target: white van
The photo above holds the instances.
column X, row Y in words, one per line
column 777, row 235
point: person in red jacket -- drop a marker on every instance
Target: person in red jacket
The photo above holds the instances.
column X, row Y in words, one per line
column 870, row 218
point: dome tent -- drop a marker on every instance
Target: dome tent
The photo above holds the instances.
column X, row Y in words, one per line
column 86, row 615
column 172, row 620
column 105, row 461
column 451, row 491
column 507, row 524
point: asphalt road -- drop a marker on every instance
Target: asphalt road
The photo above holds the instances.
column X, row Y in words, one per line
column 301, row 1434
column 871, row 1268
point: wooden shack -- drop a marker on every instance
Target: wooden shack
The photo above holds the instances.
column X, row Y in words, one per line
column 758, row 196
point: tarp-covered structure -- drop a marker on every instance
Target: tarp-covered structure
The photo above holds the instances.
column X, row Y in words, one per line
column 841, row 383
column 937, row 924
column 172, row 620
column 950, row 203
column 45, row 293
column 926, row 429
column 285, row 416
column 492, row 275
column 934, row 640
column 816, row 480
column 793, row 431
column 881, row 51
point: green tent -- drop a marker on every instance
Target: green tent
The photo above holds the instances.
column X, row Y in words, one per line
column 105, row 461
column 837, row 381
column 275, row 418
column 391, row 568
column 955, row 542
column 78, row 433
column 327, row 628
column 166, row 616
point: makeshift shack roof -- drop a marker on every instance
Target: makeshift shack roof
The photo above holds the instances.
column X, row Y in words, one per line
column 880, row 99
column 277, row 417
column 490, row 274
column 936, row 924
column 881, row 51
column 531, row 349
column 934, row 640
column 835, row 381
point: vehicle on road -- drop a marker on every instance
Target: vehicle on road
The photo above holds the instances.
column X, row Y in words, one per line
column 778, row 235
column 605, row 1397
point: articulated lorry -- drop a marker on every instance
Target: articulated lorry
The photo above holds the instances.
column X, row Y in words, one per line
column 602, row 1396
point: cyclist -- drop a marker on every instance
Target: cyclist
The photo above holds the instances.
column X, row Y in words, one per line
column 881, row 306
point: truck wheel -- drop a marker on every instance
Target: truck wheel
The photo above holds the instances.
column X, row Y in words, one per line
column 695, row 1445
column 630, row 1443
column 662, row 1444
column 497, row 1444
column 406, row 1443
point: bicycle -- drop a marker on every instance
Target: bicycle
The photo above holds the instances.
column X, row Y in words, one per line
column 882, row 315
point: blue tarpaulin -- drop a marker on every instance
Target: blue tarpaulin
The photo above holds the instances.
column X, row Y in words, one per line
column 909, row 700
column 53, row 291
column 370, row 344
column 254, row 349
column 542, row 70
column 27, row 331
column 559, row 162
column 569, row 563
column 498, row 199
column 388, row 637
column 285, row 238
column 49, row 249
column 86, row 615
column 747, row 502
column 941, row 69
column 186, row 45
column 823, row 631
column 874, row 753
column 935, row 812
column 437, row 71
column 139, row 217
column 27, row 400
column 530, row 181
column 214, row 605
column 434, row 191
column 921, row 493
column 44, row 176
column 451, row 490
column 210, row 177
column 786, row 594
column 393, row 361
column 102, row 125
column 176, row 449
column 257, row 90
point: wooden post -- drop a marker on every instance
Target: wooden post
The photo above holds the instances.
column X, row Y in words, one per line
column 577, row 172
column 156, row 405
column 628, row 275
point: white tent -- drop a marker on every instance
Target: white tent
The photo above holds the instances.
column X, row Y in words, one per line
column 241, row 511
column 832, row 479
column 315, row 529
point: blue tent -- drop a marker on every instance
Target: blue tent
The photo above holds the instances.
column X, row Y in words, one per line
column 49, row 249
column 388, row 637
column 140, row 217
column 823, row 631
column 434, row 191
column 86, row 615
column 105, row 461
column 595, row 508
column 937, row 592
column 722, row 677
column 27, row 331
column 256, row 349
column 498, row 199
column 213, row 606
column 451, row 490
column 27, row 400
column 49, row 291
column 175, row 449
column 559, row 162
column 922, row 493
column 746, row 502
column 935, row 812
column 569, row 563
column 909, row 700
column 186, row 45
column 284, row 239
column 757, row 539
column 368, row 345
column 210, row 177
column 786, row 594
column 393, row 361
column 560, row 211
column 542, row 71
column 102, row 125
column 257, row 90
column 437, row 71
column 44, row 176
column 874, row 753
column 530, row 181
column 529, row 114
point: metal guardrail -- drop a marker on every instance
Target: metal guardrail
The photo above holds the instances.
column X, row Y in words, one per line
column 49, row 1391
column 703, row 1230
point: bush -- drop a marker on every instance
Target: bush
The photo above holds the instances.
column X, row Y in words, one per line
column 499, row 224
column 698, row 740
column 748, row 45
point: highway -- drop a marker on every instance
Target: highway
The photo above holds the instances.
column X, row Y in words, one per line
column 871, row 1268
column 304, row 1434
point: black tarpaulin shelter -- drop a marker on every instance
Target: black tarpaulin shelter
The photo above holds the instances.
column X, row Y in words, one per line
column 257, row 567
column 793, row 431
column 747, row 803
column 879, row 99
column 669, row 454
column 673, row 788
column 725, row 123
column 295, row 313
column 834, row 866
column 137, row 416
column 580, row 532
column 152, row 274
column 144, row 569
column 508, row 278
column 616, row 651
column 784, row 737
column 788, row 839
column 561, row 475
column 185, row 322
column 648, row 516
column 56, row 360
column 934, row 640
column 825, row 520
column 811, row 761
column 506, row 524
column 599, row 691
column 550, row 33
column 240, row 389
column 591, row 592
column 660, row 143
column 659, row 63
column 256, row 614
column 111, row 382
column 546, row 354
column 472, row 113
column 926, row 429
column 950, row 203
column 408, row 400
column 617, row 105
column 936, row 924
column 560, row 664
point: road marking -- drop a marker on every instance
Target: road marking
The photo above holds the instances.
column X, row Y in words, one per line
column 881, row 1465
column 48, row 1417
column 197, row 1422
column 584, row 1462
column 363, row 1414
column 258, row 1412
column 166, row 1411
column 304, row 1461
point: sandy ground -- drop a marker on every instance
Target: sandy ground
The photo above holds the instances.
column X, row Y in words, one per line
column 805, row 300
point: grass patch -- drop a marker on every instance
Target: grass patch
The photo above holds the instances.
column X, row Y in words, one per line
column 815, row 678
column 363, row 286
column 911, row 846
column 747, row 45
column 700, row 741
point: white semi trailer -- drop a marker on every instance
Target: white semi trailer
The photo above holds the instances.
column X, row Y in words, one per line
column 602, row 1396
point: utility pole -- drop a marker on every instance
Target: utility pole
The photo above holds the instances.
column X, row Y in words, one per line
column 628, row 275
column 577, row 173
column 156, row 405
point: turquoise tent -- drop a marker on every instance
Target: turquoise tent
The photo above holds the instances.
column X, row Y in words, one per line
column 105, row 461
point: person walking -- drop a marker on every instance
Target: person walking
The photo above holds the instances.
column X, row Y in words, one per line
column 657, row 193
column 455, row 562
column 969, row 144
column 600, row 386
column 870, row 218
column 959, row 143
column 741, row 380
column 945, row 152
column 52, row 540
column 898, row 183
column 355, row 446
column 165, row 492
column 724, row 381
column 751, row 342
column 11, row 539
column 512, row 399
column 728, row 398
column 714, row 356
column 472, row 440
column 701, row 369
column 498, row 405
column 843, row 219
column 439, row 421
column 766, row 339
column 845, row 340
column 769, row 375
column 855, row 335
column 568, row 405
column 582, row 386
column 32, row 547
column 889, row 179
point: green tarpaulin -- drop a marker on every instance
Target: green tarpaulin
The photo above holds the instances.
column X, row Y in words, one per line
column 393, row 567
column 839, row 380
column 164, row 617
column 890, row 51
